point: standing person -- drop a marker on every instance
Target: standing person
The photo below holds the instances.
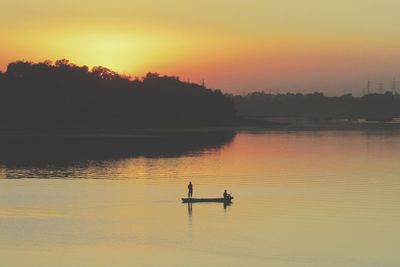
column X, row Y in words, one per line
column 190, row 188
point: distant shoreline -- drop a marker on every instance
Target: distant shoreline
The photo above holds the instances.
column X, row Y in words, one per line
column 307, row 124
column 266, row 124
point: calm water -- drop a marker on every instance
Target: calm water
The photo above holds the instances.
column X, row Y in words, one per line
column 301, row 199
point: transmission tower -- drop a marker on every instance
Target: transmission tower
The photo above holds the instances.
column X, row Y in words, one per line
column 380, row 87
column 394, row 87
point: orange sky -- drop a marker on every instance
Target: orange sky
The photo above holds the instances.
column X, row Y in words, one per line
column 237, row 46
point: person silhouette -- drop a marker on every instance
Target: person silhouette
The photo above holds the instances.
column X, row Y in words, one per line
column 226, row 194
column 190, row 188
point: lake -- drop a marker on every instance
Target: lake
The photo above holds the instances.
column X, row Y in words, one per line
column 301, row 199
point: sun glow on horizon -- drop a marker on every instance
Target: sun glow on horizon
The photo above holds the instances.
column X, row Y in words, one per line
column 125, row 50
column 235, row 46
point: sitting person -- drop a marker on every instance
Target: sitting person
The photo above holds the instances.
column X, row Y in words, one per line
column 226, row 195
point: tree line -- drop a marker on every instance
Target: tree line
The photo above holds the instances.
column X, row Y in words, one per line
column 316, row 105
column 47, row 96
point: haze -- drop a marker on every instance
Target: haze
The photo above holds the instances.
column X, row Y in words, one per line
column 237, row 46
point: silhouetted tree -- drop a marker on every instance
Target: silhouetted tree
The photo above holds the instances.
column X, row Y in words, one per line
column 105, row 73
column 67, row 96
column 316, row 105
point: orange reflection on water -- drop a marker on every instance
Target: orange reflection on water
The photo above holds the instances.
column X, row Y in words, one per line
column 303, row 199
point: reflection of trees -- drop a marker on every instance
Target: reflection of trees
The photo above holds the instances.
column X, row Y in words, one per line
column 66, row 150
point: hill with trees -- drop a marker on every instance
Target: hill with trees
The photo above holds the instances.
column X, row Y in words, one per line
column 46, row 96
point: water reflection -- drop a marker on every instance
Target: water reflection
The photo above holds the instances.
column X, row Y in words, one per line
column 190, row 207
column 301, row 199
column 227, row 205
column 65, row 151
column 190, row 210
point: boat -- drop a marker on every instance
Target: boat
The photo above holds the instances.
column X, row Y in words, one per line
column 219, row 200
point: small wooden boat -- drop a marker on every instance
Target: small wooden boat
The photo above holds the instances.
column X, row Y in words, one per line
column 195, row 200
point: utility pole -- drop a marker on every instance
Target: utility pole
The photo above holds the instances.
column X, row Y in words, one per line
column 380, row 89
column 394, row 87
column 203, row 83
column 368, row 87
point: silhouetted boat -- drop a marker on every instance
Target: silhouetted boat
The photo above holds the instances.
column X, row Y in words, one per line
column 220, row 200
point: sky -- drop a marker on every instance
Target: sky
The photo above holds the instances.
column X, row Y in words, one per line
column 237, row 46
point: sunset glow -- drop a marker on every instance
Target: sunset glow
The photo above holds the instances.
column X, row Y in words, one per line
column 236, row 46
